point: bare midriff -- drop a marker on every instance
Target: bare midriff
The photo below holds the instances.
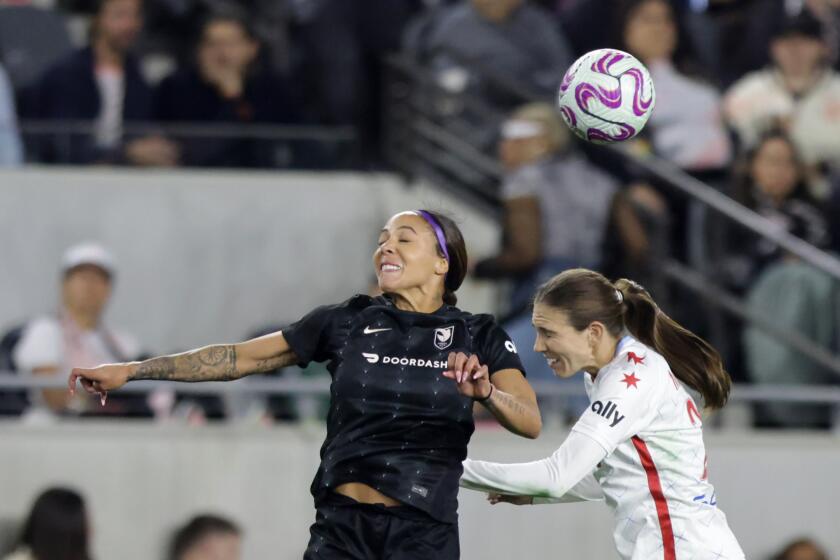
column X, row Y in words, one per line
column 365, row 494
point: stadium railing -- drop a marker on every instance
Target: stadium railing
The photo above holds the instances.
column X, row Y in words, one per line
column 308, row 146
column 10, row 381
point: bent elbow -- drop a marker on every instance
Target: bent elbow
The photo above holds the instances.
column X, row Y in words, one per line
column 533, row 431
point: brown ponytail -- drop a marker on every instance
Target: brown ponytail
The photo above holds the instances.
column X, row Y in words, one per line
column 692, row 359
column 586, row 296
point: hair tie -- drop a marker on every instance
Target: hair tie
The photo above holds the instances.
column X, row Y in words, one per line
column 619, row 296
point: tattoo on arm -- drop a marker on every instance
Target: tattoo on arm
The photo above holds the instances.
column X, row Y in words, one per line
column 509, row 402
column 211, row 363
column 270, row 364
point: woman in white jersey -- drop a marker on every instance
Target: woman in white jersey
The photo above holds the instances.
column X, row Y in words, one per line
column 639, row 445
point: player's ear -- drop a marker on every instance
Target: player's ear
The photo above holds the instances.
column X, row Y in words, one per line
column 595, row 333
column 441, row 267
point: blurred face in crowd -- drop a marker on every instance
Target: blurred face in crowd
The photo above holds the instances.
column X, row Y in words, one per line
column 804, row 551
column 566, row 349
column 516, row 150
column 774, row 168
column 496, row 11
column 86, row 290
column 225, row 44
column 215, row 546
column 118, row 23
column 650, row 32
column 407, row 256
column 798, row 55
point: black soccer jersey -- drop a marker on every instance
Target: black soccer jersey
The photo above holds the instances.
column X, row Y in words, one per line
column 395, row 423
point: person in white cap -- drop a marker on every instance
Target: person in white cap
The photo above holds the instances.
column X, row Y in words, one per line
column 558, row 208
column 75, row 334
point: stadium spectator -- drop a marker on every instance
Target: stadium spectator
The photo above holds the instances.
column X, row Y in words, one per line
column 583, row 22
column 76, row 333
column 686, row 127
column 57, row 528
column 557, row 205
column 11, row 151
column 206, row 537
column 226, row 84
column 745, row 31
column 801, row 549
column 338, row 50
column 558, row 208
column 477, row 42
column 801, row 299
column 102, row 84
column 771, row 181
column 733, row 38
column 798, row 297
column 799, row 92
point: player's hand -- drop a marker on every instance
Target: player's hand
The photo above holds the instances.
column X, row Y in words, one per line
column 494, row 499
column 101, row 379
column 473, row 379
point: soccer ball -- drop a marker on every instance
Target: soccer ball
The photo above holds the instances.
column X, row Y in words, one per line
column 606, row 96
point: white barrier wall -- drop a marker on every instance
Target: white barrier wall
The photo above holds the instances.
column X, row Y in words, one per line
column 208, row 256
column 141, row 480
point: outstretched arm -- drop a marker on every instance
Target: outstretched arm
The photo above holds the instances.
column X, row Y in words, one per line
column 587, row 490
column 223, row 362
column 551, row 477
column 219, row 362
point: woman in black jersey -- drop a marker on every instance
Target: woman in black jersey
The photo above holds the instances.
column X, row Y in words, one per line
column 406, row 368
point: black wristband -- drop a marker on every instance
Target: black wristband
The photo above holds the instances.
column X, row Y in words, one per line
column 485, row 399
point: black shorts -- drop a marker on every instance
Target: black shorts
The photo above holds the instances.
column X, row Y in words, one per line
column 347, row 530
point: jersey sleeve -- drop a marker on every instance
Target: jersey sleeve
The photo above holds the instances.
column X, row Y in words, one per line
column 313, row 336
column 587, row 490
column 496, row 350
column 623, row 402
column 553, row 477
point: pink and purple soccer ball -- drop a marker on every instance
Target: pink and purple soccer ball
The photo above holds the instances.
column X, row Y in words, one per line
column 606, row 96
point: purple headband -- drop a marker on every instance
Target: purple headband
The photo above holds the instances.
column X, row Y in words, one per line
column 441, row 238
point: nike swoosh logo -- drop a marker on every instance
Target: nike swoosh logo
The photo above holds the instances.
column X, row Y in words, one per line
column 369, row 330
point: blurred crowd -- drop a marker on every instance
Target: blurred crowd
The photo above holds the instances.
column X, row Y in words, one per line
column 58, row 527
column 748, row 101
column 121, row 74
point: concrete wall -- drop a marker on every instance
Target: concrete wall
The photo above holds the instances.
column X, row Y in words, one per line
column 208, row 256
column 141, row 480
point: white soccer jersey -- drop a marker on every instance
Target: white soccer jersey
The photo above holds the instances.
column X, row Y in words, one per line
column 641, row 440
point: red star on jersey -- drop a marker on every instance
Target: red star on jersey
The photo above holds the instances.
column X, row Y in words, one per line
column 631, row 357
column 631, row 380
